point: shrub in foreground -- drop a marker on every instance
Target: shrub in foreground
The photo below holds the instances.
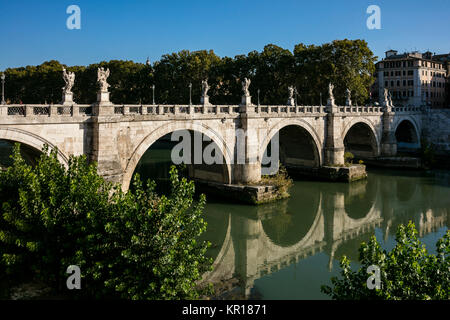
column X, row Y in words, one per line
column 132, row 245
column 407, row 272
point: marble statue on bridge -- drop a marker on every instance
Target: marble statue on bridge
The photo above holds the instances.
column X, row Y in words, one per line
column 205, row 88
column 348, row 95
column 387, row 102
column 102, row 75
column 245, row 86
column 69, row 79
column 103, row 94
column 204, row 99
column 291, row 100
column 331, row 95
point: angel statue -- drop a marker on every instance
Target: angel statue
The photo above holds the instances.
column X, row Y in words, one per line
column 330, row 91
column 386, row 96
column 205, row 88
column 348, row 95
column 69, row 79
column 245, row 86
column 102, row 75
column 291, row 92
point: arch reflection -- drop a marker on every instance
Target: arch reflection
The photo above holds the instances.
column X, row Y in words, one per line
column 260, row 242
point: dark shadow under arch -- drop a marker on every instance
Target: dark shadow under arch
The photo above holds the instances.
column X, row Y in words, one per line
column 155, row 163
column 297, row 148
column 360, row 140
column 29, row 154
column 406, row 136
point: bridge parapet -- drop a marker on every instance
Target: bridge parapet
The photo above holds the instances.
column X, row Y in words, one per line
column 196, row 111
column 407, row 109
column 361, row 109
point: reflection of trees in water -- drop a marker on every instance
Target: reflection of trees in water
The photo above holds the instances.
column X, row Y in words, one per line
column 29, row 154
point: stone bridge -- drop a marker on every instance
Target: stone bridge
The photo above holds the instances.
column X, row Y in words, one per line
column 117, row 136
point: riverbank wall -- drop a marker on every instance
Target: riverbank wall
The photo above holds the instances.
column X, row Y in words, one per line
column 436, row 133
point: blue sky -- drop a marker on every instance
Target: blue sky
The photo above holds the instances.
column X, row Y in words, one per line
column 35, row 31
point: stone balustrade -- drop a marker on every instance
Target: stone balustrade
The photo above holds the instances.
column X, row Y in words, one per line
column 75, row 110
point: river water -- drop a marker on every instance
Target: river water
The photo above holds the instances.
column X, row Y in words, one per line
column 288, row 249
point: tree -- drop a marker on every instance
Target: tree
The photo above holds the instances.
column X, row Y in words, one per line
column 133, row 245
column 406, row 272
column 345, row 63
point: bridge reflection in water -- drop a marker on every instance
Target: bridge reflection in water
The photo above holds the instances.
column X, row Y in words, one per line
column 288, row 249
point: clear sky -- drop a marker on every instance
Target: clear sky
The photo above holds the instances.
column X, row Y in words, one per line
column 35, row 31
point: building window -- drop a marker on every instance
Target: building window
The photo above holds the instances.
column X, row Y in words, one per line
column 410, row 72
column 385, row 83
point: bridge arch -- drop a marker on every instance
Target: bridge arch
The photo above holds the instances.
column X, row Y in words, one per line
column 307, row 128
column 32, row 140
column 407, row 133
column 161, row 131
column 360, row 132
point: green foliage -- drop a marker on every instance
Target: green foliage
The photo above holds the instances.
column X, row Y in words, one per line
column 346, row 63
column 348, row 157
column 133, row 245
column 280, row 180
column 408, row 271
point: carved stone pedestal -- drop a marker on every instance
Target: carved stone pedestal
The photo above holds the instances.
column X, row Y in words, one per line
column 67, row 98
column 246, row 101
column 291, row 102
column 204, row 100
column 103, row 98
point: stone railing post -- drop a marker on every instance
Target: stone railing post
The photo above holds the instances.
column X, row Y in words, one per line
column 3, row 110
column 53, row 110
column 29, row 111
column 75, row 111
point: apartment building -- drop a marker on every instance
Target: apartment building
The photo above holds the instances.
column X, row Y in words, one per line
column 412, row 78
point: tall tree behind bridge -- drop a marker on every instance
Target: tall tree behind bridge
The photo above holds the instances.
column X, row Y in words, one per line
column 345, row 63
